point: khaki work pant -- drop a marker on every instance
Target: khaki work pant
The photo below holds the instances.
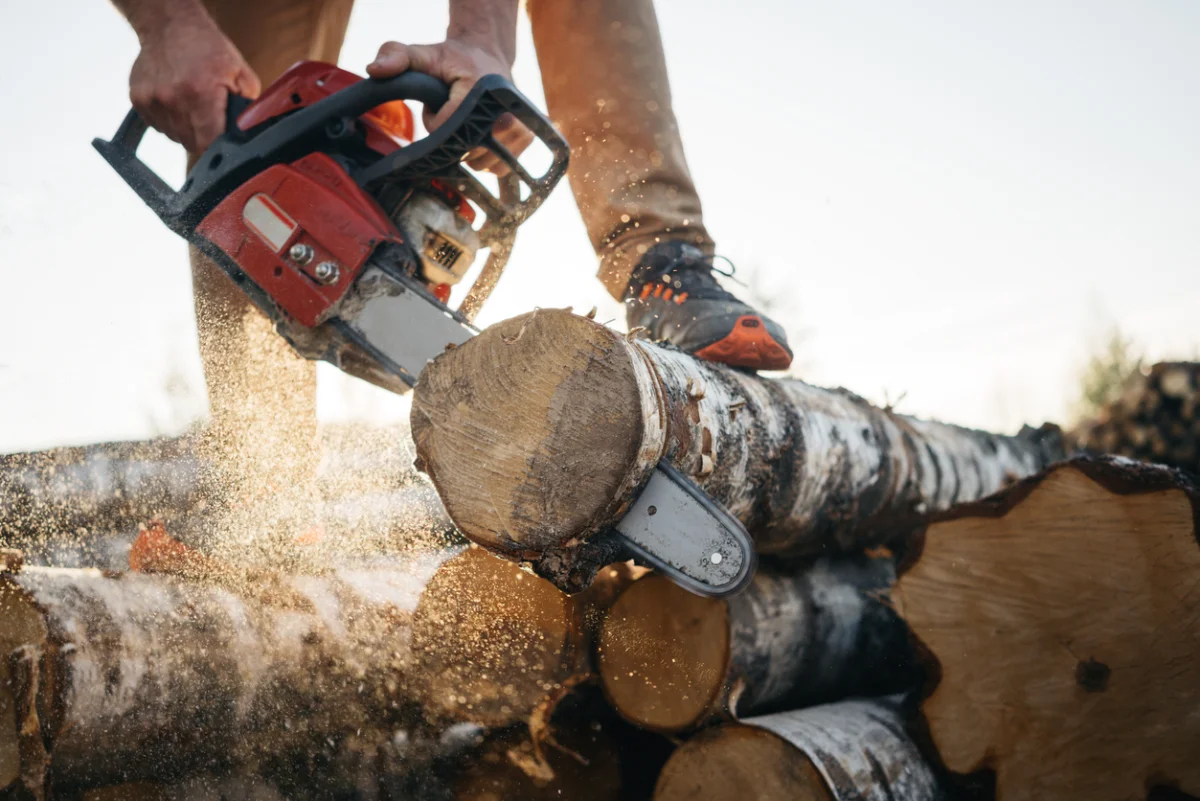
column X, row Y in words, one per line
column 606, row 89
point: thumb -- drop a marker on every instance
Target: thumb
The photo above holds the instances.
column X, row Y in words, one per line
column 394, row 58
column 458, row 91
column 247, row 84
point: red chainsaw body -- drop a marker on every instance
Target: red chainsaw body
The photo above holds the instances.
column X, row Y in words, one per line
column 387, row 127
column 311, row 202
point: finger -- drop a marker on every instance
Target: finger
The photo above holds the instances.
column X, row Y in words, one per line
column 458, row 91
column 156, row 116
column 487, row 162
column 511, row 133
column 247, row 84
column 394, row 58
column 207, row 118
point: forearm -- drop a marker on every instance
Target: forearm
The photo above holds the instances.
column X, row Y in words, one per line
column 488, row 24
column 148, row 17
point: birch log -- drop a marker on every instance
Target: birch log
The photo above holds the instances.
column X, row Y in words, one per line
column 849, row 751
column 494, row 643
column 671, row 661
column 81, row 506
column 540, row 431
column 1062, row 619
column 106, row 680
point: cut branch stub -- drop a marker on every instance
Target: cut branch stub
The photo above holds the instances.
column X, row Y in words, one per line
column 539, row 432
column 1063, row 620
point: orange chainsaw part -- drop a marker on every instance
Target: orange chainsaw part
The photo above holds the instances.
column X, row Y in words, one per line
column 748, row 345
column 156, row 551
column 388, row 127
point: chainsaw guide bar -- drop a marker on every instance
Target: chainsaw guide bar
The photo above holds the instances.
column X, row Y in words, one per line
column 676, row 528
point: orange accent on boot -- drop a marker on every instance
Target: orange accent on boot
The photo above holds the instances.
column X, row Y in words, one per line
column 156, row 551
column 748, row 345
column 646, row 290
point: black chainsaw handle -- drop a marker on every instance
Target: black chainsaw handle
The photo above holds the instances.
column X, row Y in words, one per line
column 234, row 155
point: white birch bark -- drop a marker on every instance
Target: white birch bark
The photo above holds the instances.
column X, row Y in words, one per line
column 539, row 432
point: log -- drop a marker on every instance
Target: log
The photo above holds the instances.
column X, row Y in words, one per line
column 81, row 506
column 106, row 680
column 493, row 642
column 540, row 431
column 671, row 661
column 1061, row 621
column 849, row 751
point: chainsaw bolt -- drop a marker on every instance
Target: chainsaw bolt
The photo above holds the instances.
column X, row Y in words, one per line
column 327, row 272
column 300, row 253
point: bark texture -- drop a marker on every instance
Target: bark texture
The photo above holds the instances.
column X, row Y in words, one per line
column 671, row 661
column 848, row 751
column 540, row 431
column 1062, row 623
column 118, row 679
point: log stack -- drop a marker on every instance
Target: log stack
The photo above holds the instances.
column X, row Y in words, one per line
column 938, row 613
column 1155, row 419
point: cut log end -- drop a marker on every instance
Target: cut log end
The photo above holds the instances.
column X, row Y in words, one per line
column 498, row 424
column 663, row 655
column 854, row 750
column 735, row 763
column 492, row 641
column 1062, row 618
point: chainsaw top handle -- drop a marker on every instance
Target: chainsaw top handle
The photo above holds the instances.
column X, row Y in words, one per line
column 238, row 155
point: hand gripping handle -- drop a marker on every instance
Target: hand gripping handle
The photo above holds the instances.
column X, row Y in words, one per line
column 234, row 156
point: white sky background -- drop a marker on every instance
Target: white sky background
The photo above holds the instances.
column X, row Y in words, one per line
column 952, row 200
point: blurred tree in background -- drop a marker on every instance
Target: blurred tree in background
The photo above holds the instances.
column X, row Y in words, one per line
column 1106, row 372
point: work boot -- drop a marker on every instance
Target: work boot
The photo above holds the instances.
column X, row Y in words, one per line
column 674, row 295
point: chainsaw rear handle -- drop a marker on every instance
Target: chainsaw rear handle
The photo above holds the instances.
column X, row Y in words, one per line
column 237, row 155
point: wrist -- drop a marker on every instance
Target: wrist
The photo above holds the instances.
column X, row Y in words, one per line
column 153, row 20
column 487, row 25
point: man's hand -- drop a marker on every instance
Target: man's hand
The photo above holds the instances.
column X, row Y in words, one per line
column 181, row 80
column 459, row 64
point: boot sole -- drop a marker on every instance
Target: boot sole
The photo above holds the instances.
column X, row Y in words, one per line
column 750, row 345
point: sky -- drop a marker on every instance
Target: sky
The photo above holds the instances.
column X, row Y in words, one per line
column 948, row 204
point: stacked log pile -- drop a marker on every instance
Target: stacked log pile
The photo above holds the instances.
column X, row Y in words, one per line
column 1038, row 642
column 938, row 613
column 1155, row 419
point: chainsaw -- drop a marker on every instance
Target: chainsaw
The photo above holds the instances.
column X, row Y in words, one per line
column 342, row 229
column 349, row 235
